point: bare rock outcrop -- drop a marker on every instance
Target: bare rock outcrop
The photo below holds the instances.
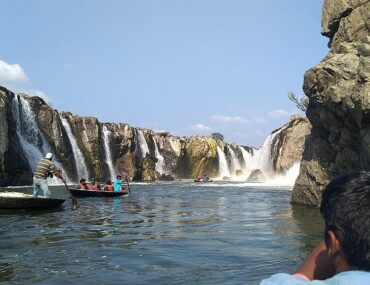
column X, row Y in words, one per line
column 338, row 89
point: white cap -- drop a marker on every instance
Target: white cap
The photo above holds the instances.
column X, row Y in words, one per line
column 49, row 155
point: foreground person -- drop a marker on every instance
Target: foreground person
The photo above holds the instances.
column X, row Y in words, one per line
column 45, row 168
column 344, row 257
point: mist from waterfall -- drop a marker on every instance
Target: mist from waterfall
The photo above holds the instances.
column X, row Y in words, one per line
column 222, row 162
column 81, row 166
column 108, row 153
column 160, row 164
column 33, row 142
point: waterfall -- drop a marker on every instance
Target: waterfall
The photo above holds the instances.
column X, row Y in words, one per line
column 249, row 161
column 142, row 144
column 26, row 136
column 108, row 153
column 223, row 168
column 235, row 160
column 82, row 170
column 32, row 141
column 160, row 164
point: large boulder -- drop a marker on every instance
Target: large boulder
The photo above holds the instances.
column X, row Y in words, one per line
column 289, row 144
column 338, row 89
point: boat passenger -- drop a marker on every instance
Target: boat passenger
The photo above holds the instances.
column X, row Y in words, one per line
column 205, row 178
column 94, row 185
column 343, row 257
column 118, row 183
column 108, row 186
column 83, row 185
column 45, row 169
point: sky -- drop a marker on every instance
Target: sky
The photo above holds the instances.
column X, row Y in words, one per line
column 189, row 67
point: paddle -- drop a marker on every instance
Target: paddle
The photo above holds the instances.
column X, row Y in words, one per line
column 128, row 185
column 73, row 198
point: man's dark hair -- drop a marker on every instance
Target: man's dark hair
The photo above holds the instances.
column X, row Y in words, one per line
column 345, row 207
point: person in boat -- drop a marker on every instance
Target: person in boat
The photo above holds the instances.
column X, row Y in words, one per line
column 94, row 185
column 83, row 185
column 118, row 183
column 205, row 178
column 344, row 255
column 108, row 186
column 45, row 168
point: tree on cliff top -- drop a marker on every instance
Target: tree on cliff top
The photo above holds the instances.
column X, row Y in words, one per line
column 301, row 103
column 218, row 136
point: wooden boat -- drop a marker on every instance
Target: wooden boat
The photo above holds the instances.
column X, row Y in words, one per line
column 201, row 181
column 97, row 193
column 16, row 200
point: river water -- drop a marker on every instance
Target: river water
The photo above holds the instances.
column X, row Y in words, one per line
column 163, row 233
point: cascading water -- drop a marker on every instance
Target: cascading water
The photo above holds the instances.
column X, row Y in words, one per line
column 142, row 144
column 32, row 141
column 249, row 161
column 26, row 136
column 160, row 164
column 81, row 166
column 108, row 153
column 235, row 161
column 263, row 155
column 222, row 162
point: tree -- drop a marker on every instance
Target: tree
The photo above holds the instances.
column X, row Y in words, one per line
column 301, row 103
column 218, row 136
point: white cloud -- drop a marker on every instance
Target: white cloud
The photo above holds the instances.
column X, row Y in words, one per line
column 280, row 113
column 259, row 120
column 39, row 93
column 201, row 127
column 12, row 72
column 230, row 120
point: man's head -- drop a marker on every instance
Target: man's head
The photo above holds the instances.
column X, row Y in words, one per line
column 49, row 156
column 82, row 181
column 345, row 207
column 118, row 177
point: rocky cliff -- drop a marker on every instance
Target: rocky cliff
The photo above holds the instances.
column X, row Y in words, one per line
column 338, row 89
column 85, row 147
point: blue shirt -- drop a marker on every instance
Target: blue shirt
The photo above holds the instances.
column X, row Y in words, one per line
column 117, row 185
column 343, row 278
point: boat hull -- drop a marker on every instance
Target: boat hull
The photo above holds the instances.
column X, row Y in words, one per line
column 29, row 203
column 96, row 193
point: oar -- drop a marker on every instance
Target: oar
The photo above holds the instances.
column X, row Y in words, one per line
column 128, row 185
column 73, row 198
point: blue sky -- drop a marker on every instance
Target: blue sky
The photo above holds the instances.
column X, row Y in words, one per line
column 187, row 67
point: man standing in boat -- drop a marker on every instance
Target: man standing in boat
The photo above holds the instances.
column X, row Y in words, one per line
column 45, row 168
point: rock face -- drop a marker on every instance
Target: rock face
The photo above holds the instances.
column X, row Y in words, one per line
column 86, row 148
column 338, row 89
column 289, row 144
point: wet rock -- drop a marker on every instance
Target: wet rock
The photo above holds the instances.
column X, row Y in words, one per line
column 256, row 176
